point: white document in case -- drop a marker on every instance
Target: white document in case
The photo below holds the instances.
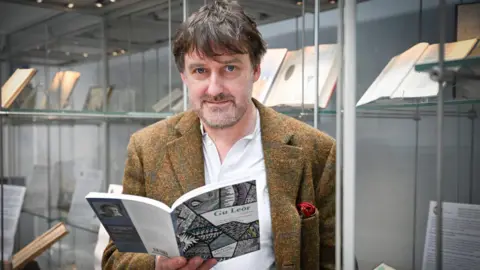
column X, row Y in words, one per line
column 393, row 74
column 269, row 67
column 419, row 84
column 12, row 206
column 461, row 237
column 42, row 191
column 287, row 87
column 86, row 180
column 103, row 237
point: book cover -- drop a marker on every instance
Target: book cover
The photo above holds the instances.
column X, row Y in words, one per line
column 219, row 224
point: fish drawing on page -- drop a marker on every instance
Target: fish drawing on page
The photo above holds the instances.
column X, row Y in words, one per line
column 220, row 224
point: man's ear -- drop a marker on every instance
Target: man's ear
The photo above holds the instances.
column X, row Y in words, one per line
column 182, row 75
column 256, row 73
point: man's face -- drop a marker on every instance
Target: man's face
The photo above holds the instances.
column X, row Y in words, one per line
column 220, row 89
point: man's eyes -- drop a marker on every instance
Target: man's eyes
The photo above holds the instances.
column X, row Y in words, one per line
column 228, row 68
column 199, row 70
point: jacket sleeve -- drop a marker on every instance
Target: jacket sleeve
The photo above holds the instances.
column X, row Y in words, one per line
column 326, row 200
column 134, row 184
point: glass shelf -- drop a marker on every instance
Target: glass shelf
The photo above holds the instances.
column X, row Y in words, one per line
column 472, row 61
column 25, row 116
column 58, row 215
column 426, row 106
column 422, row 103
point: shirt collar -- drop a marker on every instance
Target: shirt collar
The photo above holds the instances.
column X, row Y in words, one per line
column 248, row 136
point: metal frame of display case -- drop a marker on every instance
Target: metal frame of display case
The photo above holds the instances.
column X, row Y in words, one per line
column 345, row 113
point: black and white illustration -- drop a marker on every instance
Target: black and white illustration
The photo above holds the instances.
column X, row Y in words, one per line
column 219, row 224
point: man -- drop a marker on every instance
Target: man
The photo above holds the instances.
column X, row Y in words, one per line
column 228, row 135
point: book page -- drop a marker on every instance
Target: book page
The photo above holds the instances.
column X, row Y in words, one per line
column 461, row 237
column 453, row 51
column 15, row 84
column 393, row 74
column 222, row 223
column 135, row 223
column 12, row 206
column 373, row 92
column 287, row 88
column 163, row 103
column 269, row 67
column 103, row 238
column 419, row 84
column 69, row 80
column 384, row 266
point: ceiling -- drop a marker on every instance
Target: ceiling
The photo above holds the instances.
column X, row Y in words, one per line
column 53, row 33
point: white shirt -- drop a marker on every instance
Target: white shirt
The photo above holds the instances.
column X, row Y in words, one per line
column 244, row 160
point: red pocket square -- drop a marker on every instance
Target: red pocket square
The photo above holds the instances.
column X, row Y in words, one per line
column 306, row 209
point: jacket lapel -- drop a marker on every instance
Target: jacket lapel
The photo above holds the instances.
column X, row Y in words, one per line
column 186, row 153
column 284, row 166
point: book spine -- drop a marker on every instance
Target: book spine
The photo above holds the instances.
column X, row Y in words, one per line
column 175, row 227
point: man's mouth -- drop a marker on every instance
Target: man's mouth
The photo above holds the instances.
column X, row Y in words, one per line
column 218, row 102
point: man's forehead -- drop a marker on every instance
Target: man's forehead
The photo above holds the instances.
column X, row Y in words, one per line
column 196, row 56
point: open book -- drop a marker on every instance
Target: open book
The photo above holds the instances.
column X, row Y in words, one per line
column 39, row 245
column 399, row 80
column 15, row 84
column 175, row 96
column 287, row 87
column 213, row 221
column 271, row 62
column 62, row 86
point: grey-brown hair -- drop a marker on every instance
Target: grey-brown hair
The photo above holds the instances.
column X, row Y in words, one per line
column 218, row 28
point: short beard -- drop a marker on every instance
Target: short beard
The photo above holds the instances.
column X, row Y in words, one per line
column 224, row 123
column 238, row 112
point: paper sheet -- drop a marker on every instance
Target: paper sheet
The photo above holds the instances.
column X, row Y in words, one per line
column 80, row 212
column 12, row 206
column 461, row 237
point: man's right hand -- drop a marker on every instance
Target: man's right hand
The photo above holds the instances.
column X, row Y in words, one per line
column 180, row 263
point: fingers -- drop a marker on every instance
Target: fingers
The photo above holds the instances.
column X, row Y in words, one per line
column 208, row 264
column 193, row 263
column 175, row 263
column 198, row 263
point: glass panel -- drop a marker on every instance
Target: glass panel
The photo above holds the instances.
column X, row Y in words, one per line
column 415, row 137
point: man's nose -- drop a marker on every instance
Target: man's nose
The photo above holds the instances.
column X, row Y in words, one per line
column 215, row 85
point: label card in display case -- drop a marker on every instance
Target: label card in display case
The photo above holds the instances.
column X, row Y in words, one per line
column 13, row 197
column 461, row 237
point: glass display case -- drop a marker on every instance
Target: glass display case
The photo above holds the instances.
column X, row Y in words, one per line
column 80, row 78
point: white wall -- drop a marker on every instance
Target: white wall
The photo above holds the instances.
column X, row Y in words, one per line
column 385, row 147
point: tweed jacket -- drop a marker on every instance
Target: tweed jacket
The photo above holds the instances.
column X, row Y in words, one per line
column 165, row 160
